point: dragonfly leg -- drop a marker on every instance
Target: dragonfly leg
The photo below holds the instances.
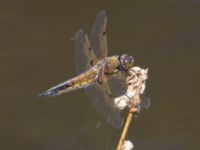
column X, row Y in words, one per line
column 99, row 76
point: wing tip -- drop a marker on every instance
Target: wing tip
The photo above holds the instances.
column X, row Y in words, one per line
column 102, row 12
column 80, row 31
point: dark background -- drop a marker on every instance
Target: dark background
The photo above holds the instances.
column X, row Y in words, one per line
column 36, row 53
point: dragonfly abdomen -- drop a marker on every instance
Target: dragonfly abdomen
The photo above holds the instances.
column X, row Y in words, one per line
column 83, row 80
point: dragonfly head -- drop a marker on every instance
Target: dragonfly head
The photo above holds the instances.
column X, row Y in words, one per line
column 126, row 62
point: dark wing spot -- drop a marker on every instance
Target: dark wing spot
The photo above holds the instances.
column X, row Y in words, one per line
column 110, row 95
column 91, row 62
column 104, row 33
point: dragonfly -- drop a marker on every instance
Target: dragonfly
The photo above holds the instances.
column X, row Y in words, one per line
column 102, row 77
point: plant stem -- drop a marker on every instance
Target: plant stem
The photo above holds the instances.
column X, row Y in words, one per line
column 125, row 130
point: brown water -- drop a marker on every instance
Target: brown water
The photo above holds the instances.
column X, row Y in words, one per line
column 36, row 53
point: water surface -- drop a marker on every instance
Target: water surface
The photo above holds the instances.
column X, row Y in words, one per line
column 36, row 53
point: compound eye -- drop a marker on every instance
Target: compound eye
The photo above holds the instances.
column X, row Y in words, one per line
column 131, row 59
column 126, row 60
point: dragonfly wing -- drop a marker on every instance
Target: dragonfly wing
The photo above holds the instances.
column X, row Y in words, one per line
column 117, row 84
column 102, row 100
column 118, row 87
column 98, row 35
column 145, row 101
column 84, row 55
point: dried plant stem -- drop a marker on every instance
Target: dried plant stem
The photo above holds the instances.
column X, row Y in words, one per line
column 125, row 130
column 135, row 83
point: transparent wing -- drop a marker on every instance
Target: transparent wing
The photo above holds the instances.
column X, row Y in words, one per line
column 145, row 101
column 102, row 100
column 84, row 55
column 117, row 84
column 99, row 94
column 98, row 35
column 118, row 87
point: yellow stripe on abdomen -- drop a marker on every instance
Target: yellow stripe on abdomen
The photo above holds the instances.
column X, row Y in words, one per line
column 83, row 79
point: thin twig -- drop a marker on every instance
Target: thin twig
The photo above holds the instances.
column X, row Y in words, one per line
column 125, row 130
